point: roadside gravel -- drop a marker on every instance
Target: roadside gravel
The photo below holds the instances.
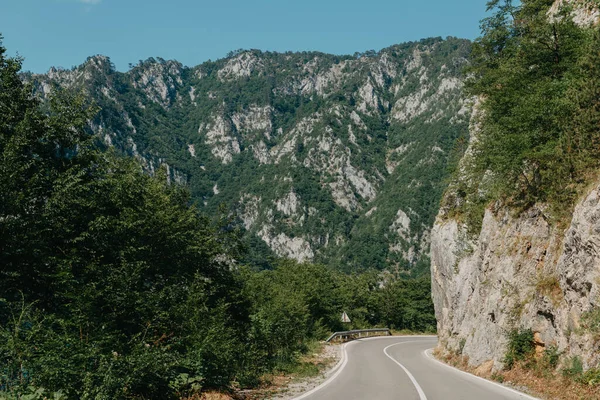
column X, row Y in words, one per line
column 330, row 357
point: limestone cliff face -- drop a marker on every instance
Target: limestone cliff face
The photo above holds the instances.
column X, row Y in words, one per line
column 518, row 273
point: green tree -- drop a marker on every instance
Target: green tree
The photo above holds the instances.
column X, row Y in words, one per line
column 533, row 71
column 108, row 276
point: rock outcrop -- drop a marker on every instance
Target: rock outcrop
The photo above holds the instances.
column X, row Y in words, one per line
column 520, row 272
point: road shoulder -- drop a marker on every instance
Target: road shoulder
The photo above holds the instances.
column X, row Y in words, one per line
column 429, row 354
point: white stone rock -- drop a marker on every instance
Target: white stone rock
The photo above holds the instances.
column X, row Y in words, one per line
column 370, row 212
column 250, row 210
column 255, row 119
column 288, row 205
column 218, row 136
column 585, row 13
column 519, row 272
column 370, row 100
column 242, row 65
column 401, row 225
column 296, row 248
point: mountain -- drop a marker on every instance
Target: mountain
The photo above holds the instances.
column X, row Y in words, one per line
column 334, row 159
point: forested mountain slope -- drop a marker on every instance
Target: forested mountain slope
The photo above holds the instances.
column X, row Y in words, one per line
column 335, row 159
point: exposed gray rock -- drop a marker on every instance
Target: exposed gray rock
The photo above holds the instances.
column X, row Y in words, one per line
column 520, row 272
column 242, row 65
column 297, row 248
column 219, row 137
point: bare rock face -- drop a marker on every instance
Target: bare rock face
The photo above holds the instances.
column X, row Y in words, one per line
column 585, row 12
column 296, row 248
column 219, row 137
column 242, row 65
column 159, row 80
column 520, row 272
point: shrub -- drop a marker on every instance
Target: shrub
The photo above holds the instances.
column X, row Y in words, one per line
column 574, row 370
column 590, row 322
column 521, row 346
column 591, row 377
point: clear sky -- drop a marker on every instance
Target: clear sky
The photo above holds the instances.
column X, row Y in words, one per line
column 65, row 32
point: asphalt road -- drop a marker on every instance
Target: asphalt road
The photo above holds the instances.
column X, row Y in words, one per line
column 398, row 368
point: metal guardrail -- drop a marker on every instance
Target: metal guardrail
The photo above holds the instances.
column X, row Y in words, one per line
column 359, row 333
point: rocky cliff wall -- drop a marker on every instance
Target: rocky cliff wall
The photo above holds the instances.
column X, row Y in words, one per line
column 520, row 272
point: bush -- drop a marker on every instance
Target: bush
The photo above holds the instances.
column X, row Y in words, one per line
column 574, row 370
column 591, row 377
column 521, row 346
column 590, row 322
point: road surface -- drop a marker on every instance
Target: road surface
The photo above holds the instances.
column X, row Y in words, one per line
column 398, row 368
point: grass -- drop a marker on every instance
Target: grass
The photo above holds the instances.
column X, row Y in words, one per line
column 549, row 286
column 590, row 322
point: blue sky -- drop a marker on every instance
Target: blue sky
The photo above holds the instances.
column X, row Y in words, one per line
column 65, row 32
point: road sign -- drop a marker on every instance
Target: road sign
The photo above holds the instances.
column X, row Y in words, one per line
column 345, row 317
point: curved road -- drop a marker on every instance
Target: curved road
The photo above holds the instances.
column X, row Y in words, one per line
column 398, row 368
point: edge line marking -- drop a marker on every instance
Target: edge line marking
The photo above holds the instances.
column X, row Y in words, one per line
column 428, row 355
column 338, row 369
column 344, row 360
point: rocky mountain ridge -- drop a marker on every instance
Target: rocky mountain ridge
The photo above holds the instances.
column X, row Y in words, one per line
column 339, row 159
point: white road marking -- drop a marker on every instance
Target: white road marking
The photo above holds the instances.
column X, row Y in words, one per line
column 526, row 396
column 339, row 367
column 344, row 360
column 412, row 378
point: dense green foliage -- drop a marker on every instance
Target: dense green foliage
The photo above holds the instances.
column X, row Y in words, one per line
column 537, row 75
column 108, row 278
column 113, row 284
